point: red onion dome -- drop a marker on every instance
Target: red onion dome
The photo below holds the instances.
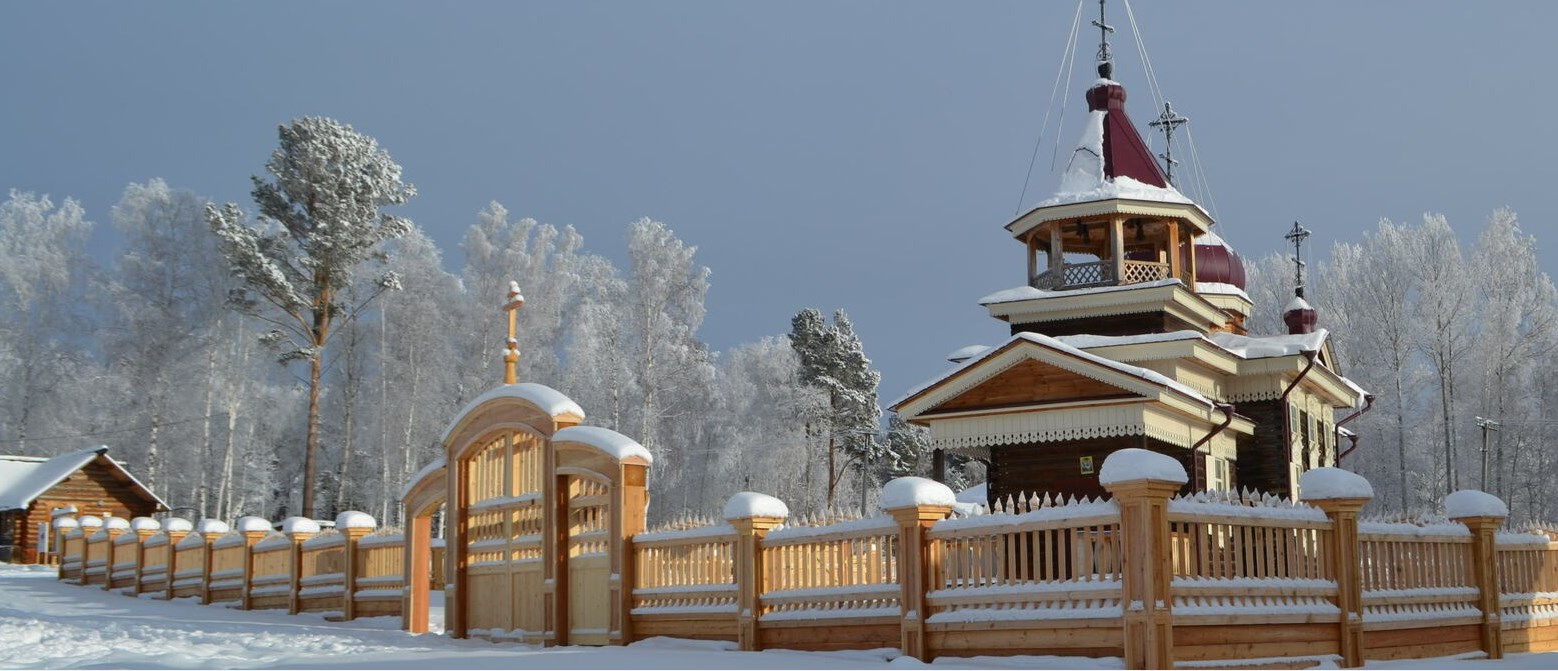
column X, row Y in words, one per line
column 1217, row 262
column 1299, row 315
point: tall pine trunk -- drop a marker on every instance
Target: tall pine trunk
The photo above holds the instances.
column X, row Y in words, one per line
column 311, row 448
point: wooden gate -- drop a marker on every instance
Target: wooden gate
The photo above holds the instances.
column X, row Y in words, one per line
column 589, row 559
column 540, row 517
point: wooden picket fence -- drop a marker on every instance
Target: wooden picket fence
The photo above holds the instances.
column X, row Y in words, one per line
column 1146, row 575
column 1149, row 576
column 349, row 572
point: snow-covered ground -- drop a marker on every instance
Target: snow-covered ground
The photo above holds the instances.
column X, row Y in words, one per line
column 48, row 624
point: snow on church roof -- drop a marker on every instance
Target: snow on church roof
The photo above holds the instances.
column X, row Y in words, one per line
column 1110, row 160
column 23, row 479
column 1265, row 347
column 1025, row 292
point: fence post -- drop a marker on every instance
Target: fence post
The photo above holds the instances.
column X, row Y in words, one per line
column 353, row 525
column 297, row 530
column 210, row 530
column 1342, row 494
column 1142, row 482
column 1483, row 514
column 253, row 530
column 62, row 526
column 916, row 504
column 176, row 529
column 144, row 528
column 114, row 527
column 753, row 515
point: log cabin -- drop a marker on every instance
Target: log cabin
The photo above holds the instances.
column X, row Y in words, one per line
column 87, row 481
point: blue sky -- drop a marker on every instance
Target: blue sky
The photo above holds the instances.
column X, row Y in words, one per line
column 859, row 155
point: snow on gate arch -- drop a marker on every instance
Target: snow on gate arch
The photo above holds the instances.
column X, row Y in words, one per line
column 539, row 512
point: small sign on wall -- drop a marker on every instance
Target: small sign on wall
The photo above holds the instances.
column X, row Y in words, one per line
column 1087, row 465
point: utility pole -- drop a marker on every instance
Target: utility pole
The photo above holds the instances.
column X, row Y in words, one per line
column 1486, row 425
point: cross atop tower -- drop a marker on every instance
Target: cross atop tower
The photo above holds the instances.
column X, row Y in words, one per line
column 1167, row 122
column 1297, row 236
column 511, row 344
column 1105, row 59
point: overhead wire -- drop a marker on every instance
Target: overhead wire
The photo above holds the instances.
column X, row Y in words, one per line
column 1067, row 57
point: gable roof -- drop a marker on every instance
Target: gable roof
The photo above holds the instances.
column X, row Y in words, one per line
column 1080, row 360
column 24, row 479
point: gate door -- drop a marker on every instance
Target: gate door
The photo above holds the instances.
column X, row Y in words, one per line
column 589, row 560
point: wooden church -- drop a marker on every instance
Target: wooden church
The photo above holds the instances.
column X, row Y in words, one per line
column 1130, row 332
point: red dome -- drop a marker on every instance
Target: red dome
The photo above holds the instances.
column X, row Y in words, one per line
column 1217, row 262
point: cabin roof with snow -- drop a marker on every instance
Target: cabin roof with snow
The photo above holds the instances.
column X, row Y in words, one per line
column 25, row 479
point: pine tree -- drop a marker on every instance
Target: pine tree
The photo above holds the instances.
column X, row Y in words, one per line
column 320, row 217
column 833, row 359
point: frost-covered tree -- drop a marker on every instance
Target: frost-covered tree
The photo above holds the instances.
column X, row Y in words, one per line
column 165, row 294
column 43, row 264
column 321, row 216
column 833, row 360
column 1445, row 308
column 1518, row 326
column 547, row 264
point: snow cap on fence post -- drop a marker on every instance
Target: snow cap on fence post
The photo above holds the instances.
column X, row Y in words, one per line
column 1483, row 514
column 355, row 519
column 746, row 505
column 210, row 527
column 752, row 515
column 1326, row 483
column 297, row 529
column 1468, row 503
column 354, row 525
column 66, row 522
column 916, row 504
column 1131, row 464
column 910, row 492
column 1341, row 494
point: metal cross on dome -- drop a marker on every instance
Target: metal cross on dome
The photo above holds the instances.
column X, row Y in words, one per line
column 1298, row 235
column 1103, row 36
column 1167, row 122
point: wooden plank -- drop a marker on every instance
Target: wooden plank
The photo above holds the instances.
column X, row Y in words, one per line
column 1255, row 650
column 1212, row 635
column 834, row 636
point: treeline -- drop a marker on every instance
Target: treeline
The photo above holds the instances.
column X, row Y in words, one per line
column 191, row 354
column 1443, row 336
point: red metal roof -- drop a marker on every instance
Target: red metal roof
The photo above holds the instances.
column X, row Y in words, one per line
column 1125, row 154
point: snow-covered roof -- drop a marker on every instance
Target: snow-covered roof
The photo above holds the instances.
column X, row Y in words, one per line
column 1091, row 341
column 1026, row 293
column 620, row 447
column 1298, row 303
column 551, row 401
column 427, row 470
column 1110, row 159
column 1221, row 289
column 1151, row 376
column 977, row 494
column 1265, row 347
column 962, row 353
column 23, row 479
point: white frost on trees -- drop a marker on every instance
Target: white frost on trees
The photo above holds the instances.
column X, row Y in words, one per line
column 321, row 215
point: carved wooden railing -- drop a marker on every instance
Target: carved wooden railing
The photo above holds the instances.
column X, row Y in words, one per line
column 1100, row 273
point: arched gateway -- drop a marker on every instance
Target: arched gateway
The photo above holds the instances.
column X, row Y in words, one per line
column 539, row 512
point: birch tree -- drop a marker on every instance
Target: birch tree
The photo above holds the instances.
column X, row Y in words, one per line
column 320, row 217
column 42, row 264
